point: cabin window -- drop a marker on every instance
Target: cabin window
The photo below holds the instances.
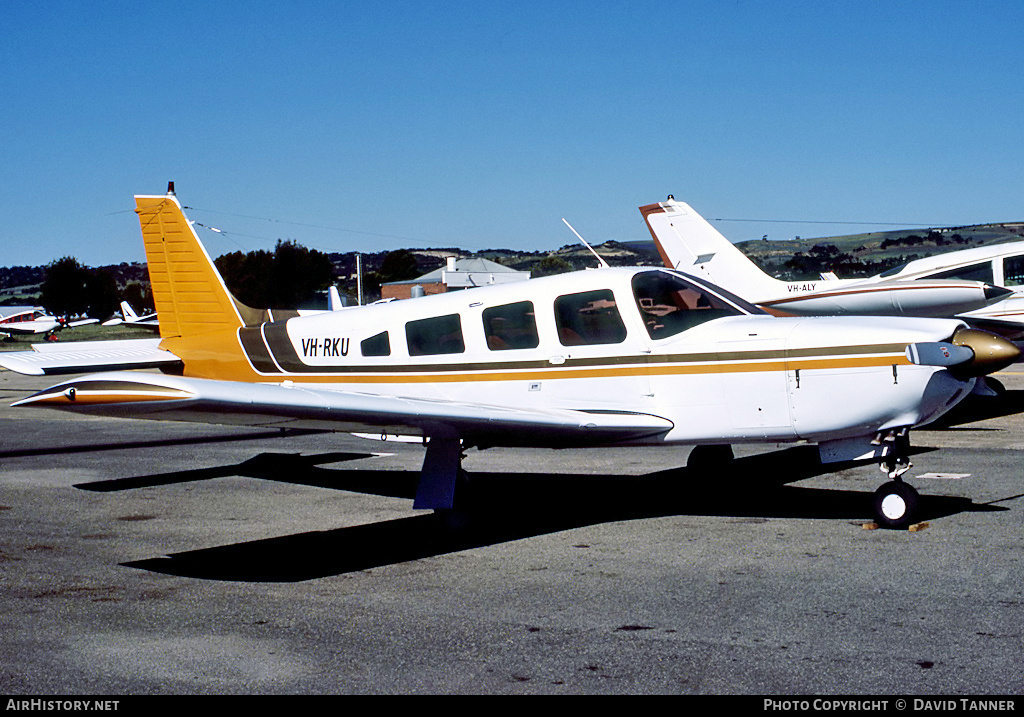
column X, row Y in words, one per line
column 591, row 317
column 1013, row 271
column 512, row 326
column 379, row 345
column 974, row 272
column 669, row 304
column 437, row 335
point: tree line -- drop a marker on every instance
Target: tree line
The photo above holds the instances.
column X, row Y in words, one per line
column 290, row 276
column 71, row 289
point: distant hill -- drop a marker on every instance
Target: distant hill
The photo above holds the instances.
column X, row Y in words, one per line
column 854, row 255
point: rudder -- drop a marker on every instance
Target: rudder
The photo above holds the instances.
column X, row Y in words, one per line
column 188, row 292
column 687, row 242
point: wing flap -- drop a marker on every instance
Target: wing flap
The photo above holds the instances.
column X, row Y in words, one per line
column 177, row 398
column 79, row 356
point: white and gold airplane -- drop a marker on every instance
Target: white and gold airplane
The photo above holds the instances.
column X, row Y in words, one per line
column 614, row 356
column 687, row 242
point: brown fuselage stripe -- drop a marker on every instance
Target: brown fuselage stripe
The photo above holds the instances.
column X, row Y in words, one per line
column 831, row 293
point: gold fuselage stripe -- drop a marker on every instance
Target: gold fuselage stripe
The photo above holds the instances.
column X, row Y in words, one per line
column 603, row 367
column 271, row 352
column 618, row 372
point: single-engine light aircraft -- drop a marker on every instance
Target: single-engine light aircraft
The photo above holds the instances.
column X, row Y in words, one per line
column 687, row 242
column 27, row 320
column 616, row 356
column 130, row 318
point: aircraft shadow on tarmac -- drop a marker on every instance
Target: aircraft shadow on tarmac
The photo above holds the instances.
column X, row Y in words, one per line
column 154, row 443
column 980, row 408
column 496, row 508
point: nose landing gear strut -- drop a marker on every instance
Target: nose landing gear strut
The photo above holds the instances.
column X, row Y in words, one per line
column 896, row 502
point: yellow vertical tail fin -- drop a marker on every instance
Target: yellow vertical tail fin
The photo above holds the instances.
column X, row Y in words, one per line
column 199, row 318
column 188, row 291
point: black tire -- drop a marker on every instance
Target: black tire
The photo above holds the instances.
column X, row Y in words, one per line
column 896, row 505
column 704, row 459
column 996, row 385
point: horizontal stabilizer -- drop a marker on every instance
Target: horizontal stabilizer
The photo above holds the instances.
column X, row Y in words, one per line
column 79, row 356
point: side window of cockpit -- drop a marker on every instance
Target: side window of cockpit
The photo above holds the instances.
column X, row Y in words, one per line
column 590, row 317
column 1013, row 271
column 512, row 326
column 974, row 272
column 379, row 345
column 437, row 335
column 669, row 304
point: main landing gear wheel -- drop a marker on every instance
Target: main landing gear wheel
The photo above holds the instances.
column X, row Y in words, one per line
column 896, row 504
column 708, row 458
column 461, row 516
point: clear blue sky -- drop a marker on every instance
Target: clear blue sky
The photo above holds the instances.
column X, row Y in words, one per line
column 378, row 125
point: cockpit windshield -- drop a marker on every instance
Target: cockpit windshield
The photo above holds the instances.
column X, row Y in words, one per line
column 670, row 304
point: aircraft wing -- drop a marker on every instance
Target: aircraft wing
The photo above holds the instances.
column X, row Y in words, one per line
column 1011, row 327
column 287, row 405
column 79, row 356
column 1005, row 318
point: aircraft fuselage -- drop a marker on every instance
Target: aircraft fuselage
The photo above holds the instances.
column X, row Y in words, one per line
column 616, row 339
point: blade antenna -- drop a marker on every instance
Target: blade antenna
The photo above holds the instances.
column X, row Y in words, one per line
column 604, row 264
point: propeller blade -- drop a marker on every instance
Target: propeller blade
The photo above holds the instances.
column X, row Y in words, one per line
column 969, row 352
column 938, row 353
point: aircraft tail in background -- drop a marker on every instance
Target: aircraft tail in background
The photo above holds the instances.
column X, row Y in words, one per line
column 128, row 312
column 687, row 242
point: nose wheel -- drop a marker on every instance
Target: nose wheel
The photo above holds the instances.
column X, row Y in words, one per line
column 896, row 504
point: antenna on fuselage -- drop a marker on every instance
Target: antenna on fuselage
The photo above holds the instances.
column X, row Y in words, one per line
column 604, row 264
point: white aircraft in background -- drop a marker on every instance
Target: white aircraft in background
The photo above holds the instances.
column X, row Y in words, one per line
column 26, row 320
column 130, row 318
column 689, row 243
column 997, row 264
column 334, row 303
column 615, row 356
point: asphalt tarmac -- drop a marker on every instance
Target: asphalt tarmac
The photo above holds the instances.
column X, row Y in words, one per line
column 142, row 558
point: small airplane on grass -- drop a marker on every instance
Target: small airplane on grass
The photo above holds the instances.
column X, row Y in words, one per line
column 28, row 320
column 615, row 356
column 130, row 318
